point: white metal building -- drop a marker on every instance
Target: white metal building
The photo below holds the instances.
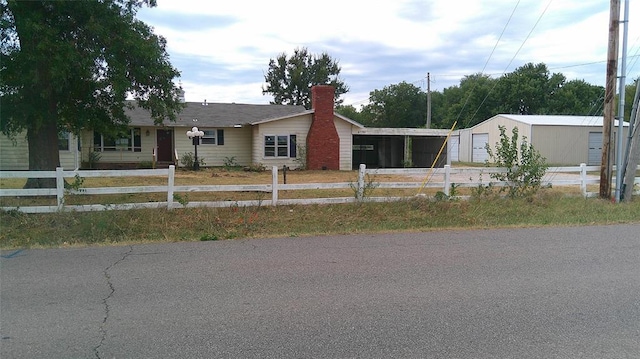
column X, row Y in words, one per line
column 562, row 140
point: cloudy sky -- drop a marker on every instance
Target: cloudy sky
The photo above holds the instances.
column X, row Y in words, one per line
column 223, row 48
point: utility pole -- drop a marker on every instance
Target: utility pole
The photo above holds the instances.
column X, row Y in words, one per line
column 428, row 100
column 633, row 151
column 609, row 99
column 621, row 98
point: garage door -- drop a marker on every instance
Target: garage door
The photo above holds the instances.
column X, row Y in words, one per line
column 479, row 141
column 595, row 148
column 454, row 148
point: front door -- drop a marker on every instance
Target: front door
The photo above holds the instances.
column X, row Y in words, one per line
column 165, row 145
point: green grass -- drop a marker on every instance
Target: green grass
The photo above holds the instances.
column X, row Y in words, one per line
column 19, row 230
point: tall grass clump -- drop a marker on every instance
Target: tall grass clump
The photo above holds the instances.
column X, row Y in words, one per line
column 20, row 230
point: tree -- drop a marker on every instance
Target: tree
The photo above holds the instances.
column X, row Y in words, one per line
column 470, row 103
column 401, row 105
column 577, row 97
column 438, row 111
column 528, row 90
column 70, row 65
column 289, row 80
column 630, row 92
column 351, row 112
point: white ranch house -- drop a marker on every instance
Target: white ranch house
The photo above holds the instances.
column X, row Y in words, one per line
column 271, row 135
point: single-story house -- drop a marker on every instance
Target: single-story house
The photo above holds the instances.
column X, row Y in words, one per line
column 244, row 134
column 562, row 140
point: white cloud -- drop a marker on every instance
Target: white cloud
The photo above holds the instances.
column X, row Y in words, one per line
column 223, row 48
column 224, row 93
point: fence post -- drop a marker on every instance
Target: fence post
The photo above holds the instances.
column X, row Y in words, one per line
column 360, row 192
column 583, row 179
column 60, row 187
column 170, row 186
column 274, row 185
column 447, row 179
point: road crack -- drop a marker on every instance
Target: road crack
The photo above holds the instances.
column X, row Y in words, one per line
column 105, row 301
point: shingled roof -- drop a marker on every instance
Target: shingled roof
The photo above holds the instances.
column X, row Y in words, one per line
column 218, row 114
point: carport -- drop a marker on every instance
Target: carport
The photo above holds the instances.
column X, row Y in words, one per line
column 398, row 147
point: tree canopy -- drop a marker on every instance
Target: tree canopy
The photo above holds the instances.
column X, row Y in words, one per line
column 289, row 79
column 530, row 89
column 70, row 65
column 400, row 105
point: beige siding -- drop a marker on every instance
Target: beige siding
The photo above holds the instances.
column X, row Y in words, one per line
column 560, row 145
column 15, row 156
column 491, row 127
column 237, row 145
column 465, row 145
column 564, row 145
column 345, row 132
column 298, row 126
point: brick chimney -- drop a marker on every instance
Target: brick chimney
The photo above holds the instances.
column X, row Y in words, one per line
column 323, row 142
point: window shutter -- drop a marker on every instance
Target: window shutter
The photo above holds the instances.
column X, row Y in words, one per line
column 220, row 137
column 293, row 148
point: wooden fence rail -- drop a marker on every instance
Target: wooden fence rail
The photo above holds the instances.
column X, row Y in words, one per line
column 440, row 178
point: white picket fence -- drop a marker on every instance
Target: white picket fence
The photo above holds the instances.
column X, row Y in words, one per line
column 440, row 178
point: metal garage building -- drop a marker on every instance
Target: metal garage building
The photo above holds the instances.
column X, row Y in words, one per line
column 562, row 140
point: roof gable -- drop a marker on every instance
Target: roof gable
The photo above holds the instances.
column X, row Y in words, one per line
column 308, row 112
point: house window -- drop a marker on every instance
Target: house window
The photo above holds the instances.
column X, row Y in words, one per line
column 212, row 137
column 129, row 141
column 63, row 141
column 280, row 146
column 209, row 137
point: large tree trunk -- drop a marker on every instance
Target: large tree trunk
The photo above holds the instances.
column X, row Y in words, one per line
column 43, row 153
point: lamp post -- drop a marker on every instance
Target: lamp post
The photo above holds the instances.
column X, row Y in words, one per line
column 195, row 136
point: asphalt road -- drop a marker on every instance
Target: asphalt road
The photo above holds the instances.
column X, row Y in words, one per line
column 512, row 293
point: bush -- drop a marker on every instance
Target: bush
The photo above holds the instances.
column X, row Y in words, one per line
column 524, row 165
column 187, row 160
column 301, row 157
column 230, row 163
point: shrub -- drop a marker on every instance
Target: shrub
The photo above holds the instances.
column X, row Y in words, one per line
column 368, row 186
column 301, row 157
column 187, row 160
column 524, row 166
column 230, row 163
